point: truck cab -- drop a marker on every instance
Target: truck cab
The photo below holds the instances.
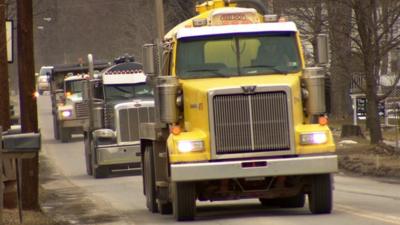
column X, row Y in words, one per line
column 43, row 79
column 239, row 115
column 69, row 113
column 120, row 100
column 72, row 112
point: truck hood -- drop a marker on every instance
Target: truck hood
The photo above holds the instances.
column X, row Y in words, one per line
column 205, row 85
column 114, row 103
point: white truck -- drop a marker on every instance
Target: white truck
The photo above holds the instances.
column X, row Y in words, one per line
column 120, row 100
column 71, row 111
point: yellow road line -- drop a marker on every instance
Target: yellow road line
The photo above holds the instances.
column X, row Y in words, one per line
column 368, row 214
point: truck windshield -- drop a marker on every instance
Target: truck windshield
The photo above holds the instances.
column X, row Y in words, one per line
column 127, row 91
column 45, row 71
column 238, row 55
column 74, row 87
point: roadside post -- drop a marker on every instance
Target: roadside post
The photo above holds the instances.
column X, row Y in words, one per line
column 397, row 111
column 1, row 177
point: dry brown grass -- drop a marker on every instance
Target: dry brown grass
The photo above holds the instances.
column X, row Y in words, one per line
column 11, row 217
column 362, row 158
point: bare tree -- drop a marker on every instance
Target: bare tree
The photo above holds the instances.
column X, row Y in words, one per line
column 312, row 18
column 309, row 16
column 375, row 37
column 178, row 11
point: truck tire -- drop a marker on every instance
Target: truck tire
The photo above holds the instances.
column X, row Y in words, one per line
column 65, row 135
column 320, row 196
column 56, row 129
column 97, row 170
column 149, row 179
column 184, row 200
column 165, row 208
column 88, row 158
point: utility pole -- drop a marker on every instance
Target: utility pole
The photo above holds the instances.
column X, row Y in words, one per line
column 5, row 165
column 4, row 94
column 29, row 122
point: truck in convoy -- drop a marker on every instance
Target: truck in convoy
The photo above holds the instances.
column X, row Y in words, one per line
column 238, row 114
column 69, row 113
column 119, row 99
column 42, row 79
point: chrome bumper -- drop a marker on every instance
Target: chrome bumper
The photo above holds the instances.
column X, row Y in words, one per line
column 113, row 155
column 274, row 167
column 74, row 123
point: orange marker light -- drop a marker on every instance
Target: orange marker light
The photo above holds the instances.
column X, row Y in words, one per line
column 68, row 94
column 176, row 130
column 323, row 121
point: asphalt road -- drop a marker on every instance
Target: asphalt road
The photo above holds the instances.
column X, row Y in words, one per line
column 73, row 196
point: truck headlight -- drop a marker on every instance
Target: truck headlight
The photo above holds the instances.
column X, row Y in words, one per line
column 314, row 138
column 190, row 146
column 66, row 113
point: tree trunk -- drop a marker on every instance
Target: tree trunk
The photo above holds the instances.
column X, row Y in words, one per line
column 339, row 18
column 365, row 12
column 385, row 59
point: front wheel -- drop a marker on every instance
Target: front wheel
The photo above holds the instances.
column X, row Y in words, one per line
column 100, row 172
column 320, row 196
column 56, row 128
column 184, row 201
column 65, row 135
column 165, row 208
column 149, row 179
column 88, row 158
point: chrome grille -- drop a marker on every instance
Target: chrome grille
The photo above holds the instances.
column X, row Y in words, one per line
column 109, row 117
column 130, row 119
column 82, row 110
column 251, row 123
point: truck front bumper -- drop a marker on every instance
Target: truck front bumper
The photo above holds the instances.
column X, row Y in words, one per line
column 117, row 154
column 302, row 165
column 73, row 123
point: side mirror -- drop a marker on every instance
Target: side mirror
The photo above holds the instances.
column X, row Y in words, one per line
column 322, row 49
column 91, row 65
column 150, row 59
column 85, row 90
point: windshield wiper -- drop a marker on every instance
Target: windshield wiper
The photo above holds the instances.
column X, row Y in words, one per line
column 269, row 67
column 213, row 71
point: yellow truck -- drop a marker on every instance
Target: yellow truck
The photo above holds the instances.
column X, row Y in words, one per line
column 238, row 114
